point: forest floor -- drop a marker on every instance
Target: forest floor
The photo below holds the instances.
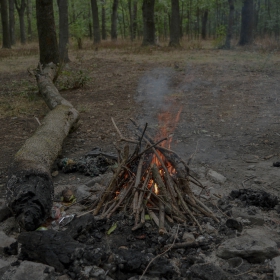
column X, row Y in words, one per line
column 228, row 103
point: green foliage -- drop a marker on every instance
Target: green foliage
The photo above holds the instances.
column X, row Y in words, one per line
column 70, row 79
column 221, row 36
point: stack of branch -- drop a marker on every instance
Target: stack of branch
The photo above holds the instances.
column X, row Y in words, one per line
column 143, row 184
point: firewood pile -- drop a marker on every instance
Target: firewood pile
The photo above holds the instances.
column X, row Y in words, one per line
column 152, row 182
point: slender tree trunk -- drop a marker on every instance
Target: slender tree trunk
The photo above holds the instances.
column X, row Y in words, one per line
column 63, row 30
column 21, row 10
column 130, row 19
column 204, row 25
column 104, row 33
column 96, row 28
column 148, row 22
column 230, row 24
column 114, row 20
column 5, row 24
column 46, row 32
column 123, row 20
column 247, row 23
column 134, row 19
column 29, row 16
column 175, row 24
column 12, row 21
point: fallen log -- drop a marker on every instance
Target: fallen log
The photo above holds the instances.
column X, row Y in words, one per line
column 29, row 187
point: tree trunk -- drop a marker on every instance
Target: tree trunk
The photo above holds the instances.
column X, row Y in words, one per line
column 204, row 25
column 104, row 33
column 21, row 9
column 29, row 16
column 63, row 30
column 5, row 25
column 175, row 24
column 247, row 23
column 148, row 22
column 134, row 19
column 12, row 21
column 30, row 187
column 114, row 20
column 230, row 24
column 46, row 32
column 96, row 29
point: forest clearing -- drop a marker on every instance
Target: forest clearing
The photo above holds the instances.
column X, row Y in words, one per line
column 149, row 151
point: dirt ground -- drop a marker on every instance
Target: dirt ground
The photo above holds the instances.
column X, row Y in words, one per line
column 220, row 107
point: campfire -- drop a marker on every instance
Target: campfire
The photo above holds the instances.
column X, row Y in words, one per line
column 151, row 182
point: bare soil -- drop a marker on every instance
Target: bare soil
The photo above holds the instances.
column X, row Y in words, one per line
column 226, row 103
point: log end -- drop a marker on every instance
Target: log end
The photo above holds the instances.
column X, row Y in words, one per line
column 30, row 197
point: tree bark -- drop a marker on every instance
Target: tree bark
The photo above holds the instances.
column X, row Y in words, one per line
column 175, row 24
column 134, row 19
column 12, row 21
column 46, row 32
column 5, row 24
column 148, row 22
column 230, row 24
column 204, row 25
column 30, row 187
column 247, row 23
column 21, row 9
column 104, row 33
column 96, row 28
column 29, row 16
column 114, row 20
column 63, row 30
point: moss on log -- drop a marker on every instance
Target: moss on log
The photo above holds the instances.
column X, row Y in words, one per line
column 30, row 187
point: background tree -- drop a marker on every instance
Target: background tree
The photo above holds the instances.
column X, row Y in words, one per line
column 29, row 20
column 20, row 6
column 96, row 28
column 63, row 30
column 114, row 20
column 175, row 24
column 103, row 20
column 5, row 24
column 204, row 24
column 46, row 32
column 230, row 24
column 12, row 21
column 247, row 23
column 148, row 22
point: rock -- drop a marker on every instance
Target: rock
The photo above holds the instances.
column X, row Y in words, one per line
column 276, row 267
column 5, row 241
column 63, row 277
column 5, row 212
column 4, row 263
column 208, row 271
column 210, row 229
column 235, row 262
column 215, row 177
column 55, row 173
column 234, row 224
column 99, row 273
column 188, row 237
column 29, row 270
column 254, row 246
column 256, row 219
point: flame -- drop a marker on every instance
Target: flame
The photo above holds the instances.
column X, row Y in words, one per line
column 167, row 123
column 156, row 189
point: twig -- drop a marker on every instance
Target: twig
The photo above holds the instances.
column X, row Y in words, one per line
column 191, row 157
column 38, row 121
column 247, row 180
column 156, row 257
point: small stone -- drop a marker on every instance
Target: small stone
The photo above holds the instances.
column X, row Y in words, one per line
column 30, row 270
column 276, row 267
column 215, row 177
column 55, row 173
column 234, row 224
column 188, row 237
column 5, row 241
column 210, row 229
column 251, row 167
